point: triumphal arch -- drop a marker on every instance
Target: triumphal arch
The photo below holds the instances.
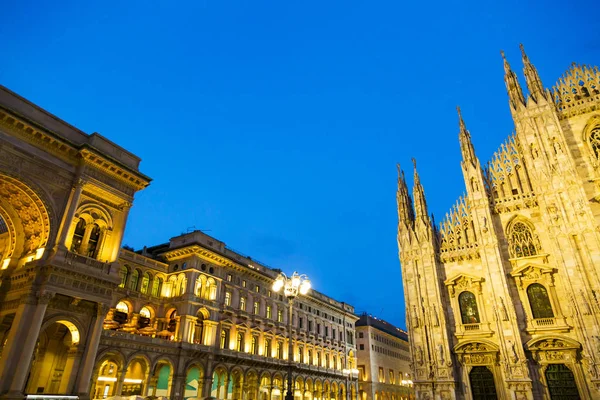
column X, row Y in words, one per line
column 64, row 200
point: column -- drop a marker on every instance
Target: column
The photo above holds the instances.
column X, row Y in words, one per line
column 207, row 379
column 209, row 333
column 86, row 238
column 82, row 383
column 178, row 387
column 186, row 332
column 23, row 335
column 67, row 224
column 70, row 371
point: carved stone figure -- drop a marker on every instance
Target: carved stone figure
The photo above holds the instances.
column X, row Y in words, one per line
column 503, row 312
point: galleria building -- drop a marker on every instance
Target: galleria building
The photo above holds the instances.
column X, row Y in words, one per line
column 189, row 318
column 503, row 297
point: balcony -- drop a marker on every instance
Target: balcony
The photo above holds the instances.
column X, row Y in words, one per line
column 478, row 329
column 554, row 324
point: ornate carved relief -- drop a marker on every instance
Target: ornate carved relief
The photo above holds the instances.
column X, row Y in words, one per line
column 31, row 211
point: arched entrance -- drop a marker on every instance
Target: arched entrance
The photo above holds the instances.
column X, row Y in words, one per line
column 193, row 383
column 561, row 382
column 24, row 223
column 482, row 383
column 135, row 378
column 54, row 359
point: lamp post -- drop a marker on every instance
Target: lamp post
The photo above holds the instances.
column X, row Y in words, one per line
column 351, row 373
column 292, row 286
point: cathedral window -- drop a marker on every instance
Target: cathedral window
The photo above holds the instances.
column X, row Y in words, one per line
column 78, row 235
column 594, row 140
column 522, row 241
column 468, row 308
column 124, row 273
column 539, row 301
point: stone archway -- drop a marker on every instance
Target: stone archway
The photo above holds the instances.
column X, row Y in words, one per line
column 55, row 359
column 560, row 368
column 25, row 222
column 480, row 367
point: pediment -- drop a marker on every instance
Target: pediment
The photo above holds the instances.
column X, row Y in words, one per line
column 532, row 271
column 462, row 277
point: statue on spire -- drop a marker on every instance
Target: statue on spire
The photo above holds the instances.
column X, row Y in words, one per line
column 464, row 137
column 515, row 94
column 532, row 78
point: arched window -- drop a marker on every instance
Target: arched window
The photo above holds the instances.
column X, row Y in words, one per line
column 254, row 347
column 145, row 283
column 173, row 285
column 594, row 140
column 122, row 307
column 468, row 308
column 133, row 280
column 92, row 248
column 280, row 350
column 124, row 272
column 522, row 241
column 157, row 286
column 78, row 235
column 181, row 283
column 268, row 348
column 198, row 290
column 145, row 312
column 224, row 338
column 539, row 301
column 240, row 342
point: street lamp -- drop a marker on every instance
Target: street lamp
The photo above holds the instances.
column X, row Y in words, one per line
column 351, row 373
column 292, row 286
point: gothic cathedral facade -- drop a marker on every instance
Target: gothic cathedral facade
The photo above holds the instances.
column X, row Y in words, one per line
column 503, row 297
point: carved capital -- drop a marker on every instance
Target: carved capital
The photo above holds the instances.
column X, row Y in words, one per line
column 44, row 297
column 101, row 310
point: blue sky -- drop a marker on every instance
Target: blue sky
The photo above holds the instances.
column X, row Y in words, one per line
column 276, row 126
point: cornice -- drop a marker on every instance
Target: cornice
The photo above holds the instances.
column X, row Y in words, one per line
column 68, row 151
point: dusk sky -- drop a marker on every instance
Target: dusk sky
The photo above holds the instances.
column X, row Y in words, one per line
column 276, row 126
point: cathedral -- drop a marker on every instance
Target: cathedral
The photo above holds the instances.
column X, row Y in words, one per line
column 503, row 296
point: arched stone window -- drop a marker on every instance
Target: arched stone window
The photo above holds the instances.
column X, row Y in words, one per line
column 594, row 141
column 92, row 248
column 173, row 285
column 133, row 280
column 254, row 347
column 522, row 241
column 157, row 286
column 280, row 350
column 198, row 290
column 468, row 308
column 181, row 282
column 145, row 283
column 239, row 346
column 539, row 301
column 145, row 312
column 78, row 235
column 124, row 272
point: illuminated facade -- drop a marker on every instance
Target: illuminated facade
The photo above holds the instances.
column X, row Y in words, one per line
column 187, row 319
column 383, row 358
column 503, row 297
column 202, row 320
